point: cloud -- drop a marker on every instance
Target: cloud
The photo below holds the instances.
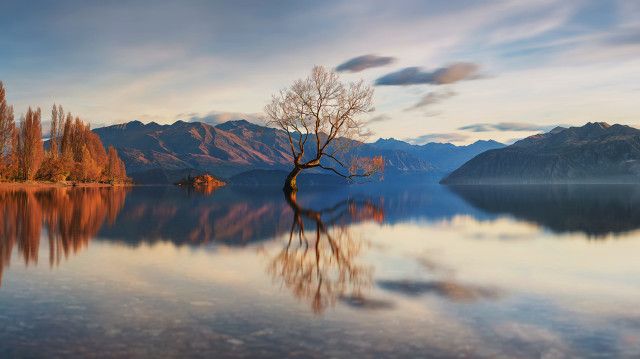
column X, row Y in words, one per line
column 364, row 62
column 380, row 118
column 446, row 75
column 505, row 126
column 623, row 38
column 214, row 117
column 432, row 98
column 438, row 137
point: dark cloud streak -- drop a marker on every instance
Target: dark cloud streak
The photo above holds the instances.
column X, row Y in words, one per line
column 214, row 118
column 364, row 62
column 379, row 118
column 438, row 137
column 505, row 126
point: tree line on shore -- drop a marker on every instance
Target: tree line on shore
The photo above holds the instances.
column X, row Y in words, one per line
column 74, row 153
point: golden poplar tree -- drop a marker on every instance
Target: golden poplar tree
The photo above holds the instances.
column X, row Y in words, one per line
column 30, row 144
column 6, row 133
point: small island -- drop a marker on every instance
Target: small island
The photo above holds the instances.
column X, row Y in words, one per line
column 205, row 183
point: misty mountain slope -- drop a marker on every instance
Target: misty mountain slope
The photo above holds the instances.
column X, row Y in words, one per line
column 231, row 148
column 445, row 156
column 593, row 153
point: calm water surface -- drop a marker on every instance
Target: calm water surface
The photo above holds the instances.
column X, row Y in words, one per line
column 365, row 272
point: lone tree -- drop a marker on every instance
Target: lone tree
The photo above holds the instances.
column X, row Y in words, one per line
column 323, row 120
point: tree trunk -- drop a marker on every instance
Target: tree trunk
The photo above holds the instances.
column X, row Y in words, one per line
column 290, row 182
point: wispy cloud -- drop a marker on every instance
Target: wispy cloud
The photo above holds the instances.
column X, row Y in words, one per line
column 214, row 117
column 505, row 126
column 438, row 137
column 364, row 62
column 432, row 98
column 446, row 75
column 380, row 118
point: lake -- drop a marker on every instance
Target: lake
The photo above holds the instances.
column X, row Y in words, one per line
column 344, row 272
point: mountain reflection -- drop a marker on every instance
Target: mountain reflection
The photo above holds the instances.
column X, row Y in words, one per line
column 157, row 214
column 319, row 263
column 72, row 216
column 595, row 210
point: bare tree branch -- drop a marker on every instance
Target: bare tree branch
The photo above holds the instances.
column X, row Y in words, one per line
column 321, row 106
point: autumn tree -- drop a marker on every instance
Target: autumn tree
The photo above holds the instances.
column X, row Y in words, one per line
column 90, row 170
column 114, row 170
column 30, row 149
column 323, row 119
column 57, row 118
column 65, row 140
column 75, row 152
column 7, row 125
column 53, row 167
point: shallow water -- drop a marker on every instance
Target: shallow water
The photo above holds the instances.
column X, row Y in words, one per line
column 366, row 272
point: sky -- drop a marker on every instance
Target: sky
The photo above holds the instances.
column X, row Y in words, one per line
column 443, row 71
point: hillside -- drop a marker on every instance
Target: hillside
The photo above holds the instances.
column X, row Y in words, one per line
column 229, row 149
column 593, row 153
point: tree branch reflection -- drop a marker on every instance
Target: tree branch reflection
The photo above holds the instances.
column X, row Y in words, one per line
column 72, row 217
column 319, row 262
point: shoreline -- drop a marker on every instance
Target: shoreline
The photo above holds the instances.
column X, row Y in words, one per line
column 44, row 184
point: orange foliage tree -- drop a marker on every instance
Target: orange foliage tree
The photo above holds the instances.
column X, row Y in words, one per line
column 114, row 171
column 30, row 144
column 7, row 125
column 75, row 153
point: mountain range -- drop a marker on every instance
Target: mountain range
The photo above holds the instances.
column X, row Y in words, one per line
column 445, row 156
column 594, row 153
column 155, row 153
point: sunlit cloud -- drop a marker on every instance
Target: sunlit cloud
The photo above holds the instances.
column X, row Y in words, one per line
column 446, row 75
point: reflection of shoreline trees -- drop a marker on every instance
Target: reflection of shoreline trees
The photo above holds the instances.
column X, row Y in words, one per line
column 72, row 216
column 319, row 262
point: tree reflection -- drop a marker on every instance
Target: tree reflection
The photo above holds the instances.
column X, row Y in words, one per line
column 72, row 216
column 319, row 263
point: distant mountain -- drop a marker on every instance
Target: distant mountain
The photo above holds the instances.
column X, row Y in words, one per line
column 593, row 153
column 228, row 149
column 445, row 156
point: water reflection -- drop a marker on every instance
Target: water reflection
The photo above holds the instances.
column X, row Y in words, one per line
column 198, row 272
column 595, row 210
column 71, row 216
column 157, row 214
column 448, row 289
column 320, row 260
